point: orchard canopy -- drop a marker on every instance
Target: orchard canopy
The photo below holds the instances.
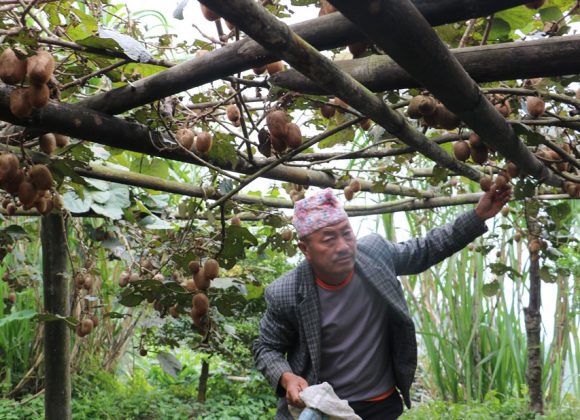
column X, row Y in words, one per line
column 205, row 143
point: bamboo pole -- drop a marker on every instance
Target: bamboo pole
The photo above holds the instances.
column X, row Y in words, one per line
column 57, row 398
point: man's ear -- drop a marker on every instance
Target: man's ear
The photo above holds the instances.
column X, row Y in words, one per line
column 303, row 246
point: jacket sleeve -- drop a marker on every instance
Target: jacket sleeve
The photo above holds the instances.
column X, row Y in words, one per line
column 277, row 335
column 418, row 254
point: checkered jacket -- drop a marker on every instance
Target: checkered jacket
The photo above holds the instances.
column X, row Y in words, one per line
column 290, row 333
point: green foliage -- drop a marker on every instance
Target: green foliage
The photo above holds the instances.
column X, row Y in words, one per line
column 492, row 408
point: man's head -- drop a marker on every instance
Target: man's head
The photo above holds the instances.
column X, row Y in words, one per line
column 326, row 237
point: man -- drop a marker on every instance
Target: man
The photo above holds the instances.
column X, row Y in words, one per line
column 341, row 317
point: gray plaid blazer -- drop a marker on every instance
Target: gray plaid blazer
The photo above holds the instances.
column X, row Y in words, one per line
column 290, row 333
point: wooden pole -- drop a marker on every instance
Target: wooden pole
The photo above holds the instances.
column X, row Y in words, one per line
column 556, row 56
column 533, row 317
column 57, row 398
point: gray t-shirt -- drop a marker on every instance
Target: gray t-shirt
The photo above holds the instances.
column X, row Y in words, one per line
column 355, row 357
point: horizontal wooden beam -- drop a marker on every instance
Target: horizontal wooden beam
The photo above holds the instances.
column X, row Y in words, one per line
column 557, row 56
column 325, row 32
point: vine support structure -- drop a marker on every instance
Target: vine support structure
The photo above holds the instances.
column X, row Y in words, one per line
column 533, row 317
column 57, row 397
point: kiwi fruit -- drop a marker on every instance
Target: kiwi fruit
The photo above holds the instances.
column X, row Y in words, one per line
column 348, row 193
column 233, row 113
column 485, row 183
column 287, row 235
column 275, row 67
column 194, row 266
column 124, row 278
column 147, row 265
column 355, row 185
column 9, row 165
column 535, row 4
column 413, row 108
column 38, row 95
column 88, row 284
column 475, row 140
column 512, row 169
column 203, row 142
column 327, row 110
column 479, row 154
column 517, row 237
column 208, row 13
column 47, row 143
column 40, row 177
column 26, row 193
column 365, row 124
column 200, row 304
column 505, row 211
column 230, row 25
column 86, row 326
column 189, row 285
column 461, row 150
column 61, row 140
column 42, row 206
column 159, row 277
column 501, row 182
column 235, row 221
column 134, row 277
column 211, row 268
column 20, row 105
column 40, row 67
column 11, row 209
column 11, row 185
column 421, row 105
column 259, row 70
column 277, row 122
column 358, row 48
column 294, row 136
column 504, row 108
column 173, row 311
column 278, row 143
column 201, row 281
column 12, row 69
column 535, row 106
column 57, row 201
column 444, row 118
column 185, row 137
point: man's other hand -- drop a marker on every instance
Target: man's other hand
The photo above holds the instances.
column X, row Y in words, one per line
column 492, row 201
column 293, row 385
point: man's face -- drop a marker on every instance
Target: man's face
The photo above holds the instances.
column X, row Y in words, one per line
column 331, row 251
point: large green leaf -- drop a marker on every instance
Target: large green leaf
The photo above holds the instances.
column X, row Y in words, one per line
column 17, row 316
column 76, row 204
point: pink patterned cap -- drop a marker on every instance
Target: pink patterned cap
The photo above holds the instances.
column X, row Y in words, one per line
column 318, row 211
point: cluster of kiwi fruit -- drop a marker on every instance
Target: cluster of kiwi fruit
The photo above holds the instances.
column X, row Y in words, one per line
column 199, row 142
column 38, row 69
column 199, row 285
column 501, row 181
column 283, row 134
column 351, row 189
column 49, row 142
column 474, row 147
column 433, row 112
column 327, row 110
column 85, row 281
column 86, row 325
column 27, row 187
column 550, row 156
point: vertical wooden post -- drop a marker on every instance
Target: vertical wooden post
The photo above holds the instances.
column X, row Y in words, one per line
column 203, row 377
column 533, row 316
column 57, row 398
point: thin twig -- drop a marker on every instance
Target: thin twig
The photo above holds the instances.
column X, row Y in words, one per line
column 82, row 80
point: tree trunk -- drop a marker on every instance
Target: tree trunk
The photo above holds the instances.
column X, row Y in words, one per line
column 203, row 377
column 57, row 398
column 533, row 319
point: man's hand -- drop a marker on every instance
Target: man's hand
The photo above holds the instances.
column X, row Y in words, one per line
column 293, row 384
column 492, row 201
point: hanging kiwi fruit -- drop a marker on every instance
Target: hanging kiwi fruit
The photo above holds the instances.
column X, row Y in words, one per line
column 12, row 68
column 203, row 142
column 185, row 137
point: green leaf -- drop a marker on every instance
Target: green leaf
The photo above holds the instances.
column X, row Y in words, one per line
column 546, row 275
column 17, row 316
column 16, row 232
column 75, row 204
column 500, row 269
column 551, row 14
column 131, row 299
column 500, row 29
column 169, row 363
column 342, row 137
column 524, row 188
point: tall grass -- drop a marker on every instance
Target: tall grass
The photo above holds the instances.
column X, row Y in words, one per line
column 473, row 343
